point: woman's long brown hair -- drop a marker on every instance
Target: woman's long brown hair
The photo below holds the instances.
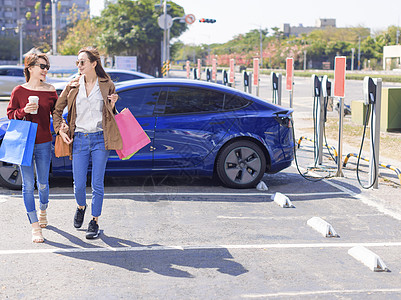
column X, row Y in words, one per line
column 93, row 56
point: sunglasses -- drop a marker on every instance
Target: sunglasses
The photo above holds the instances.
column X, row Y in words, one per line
column 43, row 66
column 80, row 62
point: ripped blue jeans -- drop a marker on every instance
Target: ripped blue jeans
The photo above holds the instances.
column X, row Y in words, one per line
column 40, row 162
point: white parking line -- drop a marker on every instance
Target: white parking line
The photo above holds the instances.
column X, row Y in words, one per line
column 200, row 194
column 294, row 217
column 210, row 247
column 326, row 292
column 3, row 198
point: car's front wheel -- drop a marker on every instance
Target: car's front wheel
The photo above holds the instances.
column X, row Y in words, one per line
column 10, row 176
column 241, row 164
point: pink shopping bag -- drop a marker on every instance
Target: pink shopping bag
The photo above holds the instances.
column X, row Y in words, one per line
column 134, row 137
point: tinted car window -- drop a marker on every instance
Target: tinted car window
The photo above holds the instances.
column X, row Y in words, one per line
column 192, row 100
column 140, row 102
column 117, row 77
column 12, row 72
column 15, row 72
column 233, row 102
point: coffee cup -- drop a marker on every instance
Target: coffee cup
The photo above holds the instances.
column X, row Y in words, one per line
column 34, row 99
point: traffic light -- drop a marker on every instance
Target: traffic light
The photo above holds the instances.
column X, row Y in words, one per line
column 203, row 20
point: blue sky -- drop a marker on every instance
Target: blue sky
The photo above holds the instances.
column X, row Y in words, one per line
column 238, row 16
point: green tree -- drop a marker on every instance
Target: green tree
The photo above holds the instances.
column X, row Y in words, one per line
column 130, row 28
column 84, row 33
column 370, row 49
column 277, row 33
column 190, row 52
column 391, row 35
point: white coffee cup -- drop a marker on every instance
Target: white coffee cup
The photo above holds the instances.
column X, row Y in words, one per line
column 34, row 99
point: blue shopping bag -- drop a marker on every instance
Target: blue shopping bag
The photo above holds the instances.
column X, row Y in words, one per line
column 18, row 142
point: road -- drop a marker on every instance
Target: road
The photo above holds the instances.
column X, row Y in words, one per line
column 190, row 238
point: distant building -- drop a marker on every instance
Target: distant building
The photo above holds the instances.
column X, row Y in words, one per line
column 323, row 23
column 40, row 22
column 390, row 52
column 288, row 30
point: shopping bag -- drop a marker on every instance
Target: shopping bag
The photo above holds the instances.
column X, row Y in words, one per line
column 133, row 136
column 18, row 142
column 61, row 148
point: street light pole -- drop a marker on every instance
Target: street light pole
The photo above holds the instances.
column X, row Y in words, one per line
column 359, row 53
column 54, row 31
column 165, row 31
column 20, row 23
column 352, row 59
column 261, row 47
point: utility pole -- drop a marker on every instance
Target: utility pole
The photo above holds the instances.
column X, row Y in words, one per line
column 20, row 23
column 359, row 53
column 54, row 29
column 352, row 58
column 261, row 47
column 165, row 31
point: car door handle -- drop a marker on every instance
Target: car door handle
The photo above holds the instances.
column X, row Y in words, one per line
column 145, row 124
column 217, row 123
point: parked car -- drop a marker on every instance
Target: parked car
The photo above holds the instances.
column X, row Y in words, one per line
column 196, row 128
column 115, row 74
column 11, row 76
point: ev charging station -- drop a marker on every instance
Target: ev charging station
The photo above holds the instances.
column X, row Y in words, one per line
column 276, row 80
column 318, row 117
column 246, row 81
column 208, row 75
column 225, row 77
column 326, row 92
column 372, row 89
column 321, row 97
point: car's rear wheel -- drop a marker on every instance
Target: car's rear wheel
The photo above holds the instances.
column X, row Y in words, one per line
column 241, row 164
column 10, row 176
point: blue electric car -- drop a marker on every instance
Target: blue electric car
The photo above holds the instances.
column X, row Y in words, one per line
column 196, row 128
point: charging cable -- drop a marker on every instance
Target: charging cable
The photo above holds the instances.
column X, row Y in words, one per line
column 307, row 177
column 373, row 149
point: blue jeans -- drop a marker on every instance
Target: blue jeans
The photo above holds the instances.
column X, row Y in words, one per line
column 41, row 161
column 88, row 146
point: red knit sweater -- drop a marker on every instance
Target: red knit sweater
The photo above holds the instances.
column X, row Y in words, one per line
column 47, row 100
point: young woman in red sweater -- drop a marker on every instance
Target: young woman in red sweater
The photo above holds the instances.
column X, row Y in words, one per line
column 36, row 67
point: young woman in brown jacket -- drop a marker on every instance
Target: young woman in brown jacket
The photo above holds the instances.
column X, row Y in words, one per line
column 91, row 131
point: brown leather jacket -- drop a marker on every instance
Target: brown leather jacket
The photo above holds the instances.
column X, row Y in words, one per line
column 112, row 137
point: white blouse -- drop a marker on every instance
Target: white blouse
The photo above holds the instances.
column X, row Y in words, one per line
column 89, row 108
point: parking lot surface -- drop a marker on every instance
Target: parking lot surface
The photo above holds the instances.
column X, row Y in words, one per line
column 167, row 238
column 191, row 238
